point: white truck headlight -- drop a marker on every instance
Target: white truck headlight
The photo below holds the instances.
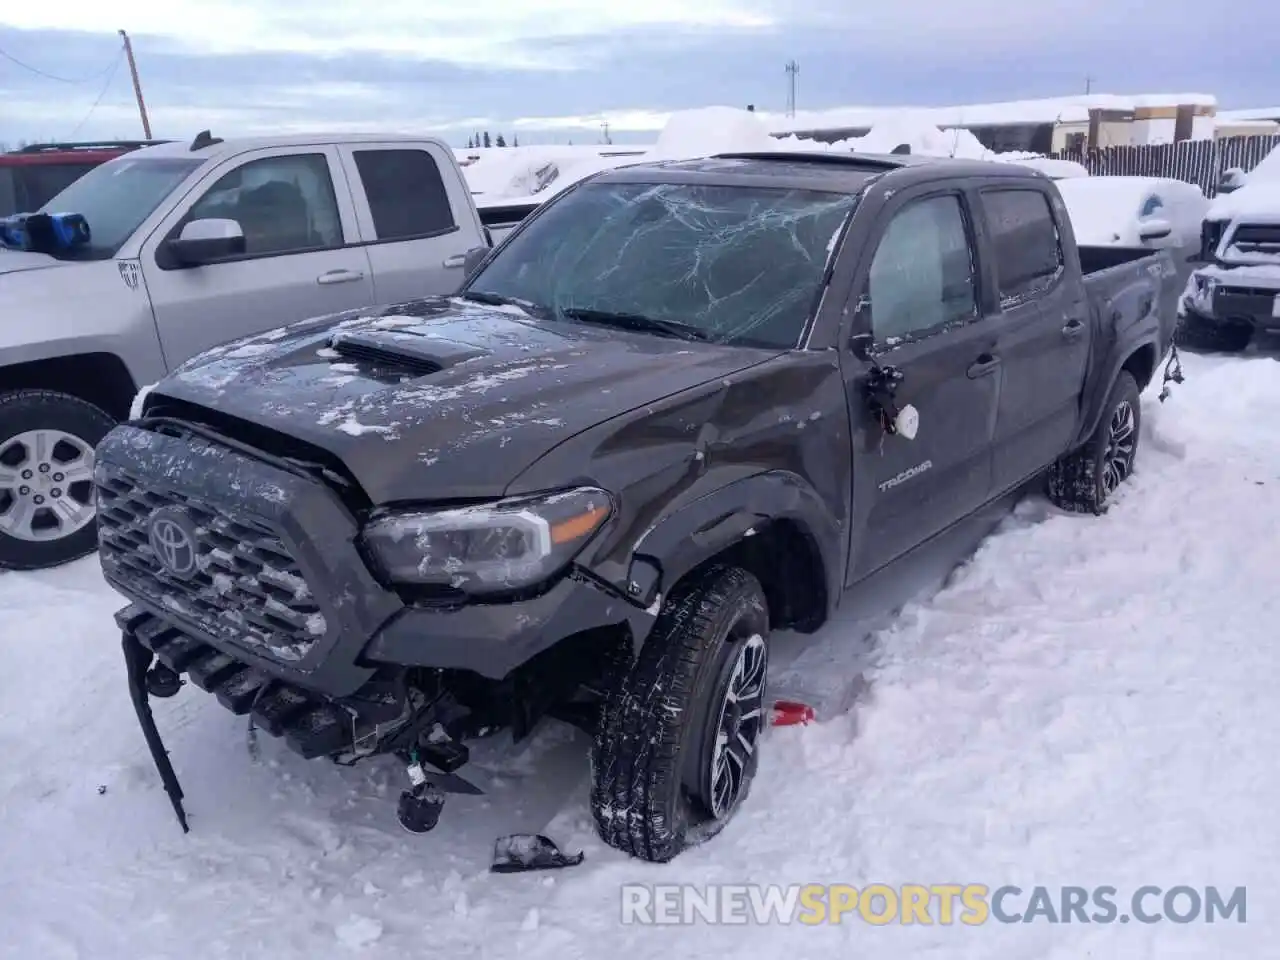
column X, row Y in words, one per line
column 505, row 545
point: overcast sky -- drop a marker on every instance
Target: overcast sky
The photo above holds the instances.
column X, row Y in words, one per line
column 551, row 70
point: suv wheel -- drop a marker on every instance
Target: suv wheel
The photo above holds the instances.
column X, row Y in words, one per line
column 676, row 750
column 46, row 477
column 1084, row 481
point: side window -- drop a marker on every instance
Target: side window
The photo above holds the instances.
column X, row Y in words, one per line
column 1151, row 206
column 406, row 193
column 1024, row 240
column 922, row 272
column 283, row 204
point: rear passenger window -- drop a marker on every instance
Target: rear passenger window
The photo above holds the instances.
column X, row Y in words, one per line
column 1024, row 238
column 406, row 193
column 922, row 274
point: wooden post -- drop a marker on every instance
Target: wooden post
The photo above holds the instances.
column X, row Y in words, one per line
column 1095, row 129
column 137, row 86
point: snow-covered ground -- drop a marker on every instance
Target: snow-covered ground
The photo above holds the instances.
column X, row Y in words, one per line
column 1087, row 701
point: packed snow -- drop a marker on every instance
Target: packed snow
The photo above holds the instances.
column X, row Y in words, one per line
column 1108, row 211
column 1086, row 701
column 1258, row 197
column 506, row 175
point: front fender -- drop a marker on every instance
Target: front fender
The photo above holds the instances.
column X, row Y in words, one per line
column 705, row 527
column 78, row 308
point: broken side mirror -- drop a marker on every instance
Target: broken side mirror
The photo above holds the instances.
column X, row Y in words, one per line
column 862, row 346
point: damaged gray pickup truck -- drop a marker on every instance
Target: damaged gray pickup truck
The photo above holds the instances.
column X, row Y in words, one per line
column 682, row 406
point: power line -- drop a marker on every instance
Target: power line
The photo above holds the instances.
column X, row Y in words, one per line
column 102, row 93
column 50, row 76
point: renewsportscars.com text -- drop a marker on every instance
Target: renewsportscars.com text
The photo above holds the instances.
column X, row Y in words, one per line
column 970, row 904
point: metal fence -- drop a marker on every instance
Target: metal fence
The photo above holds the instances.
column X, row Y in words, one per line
column 1201, row 162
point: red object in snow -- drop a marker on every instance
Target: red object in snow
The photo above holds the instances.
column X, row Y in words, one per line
column 788, row 713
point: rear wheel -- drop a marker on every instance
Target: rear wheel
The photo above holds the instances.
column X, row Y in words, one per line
column 1086, row 480
column 47, row 514
column 676, row 750
column 1196, row 333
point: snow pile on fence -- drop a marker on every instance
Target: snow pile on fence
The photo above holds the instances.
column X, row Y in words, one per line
column 523, row 174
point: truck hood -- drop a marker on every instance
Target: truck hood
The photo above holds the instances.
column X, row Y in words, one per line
column 14, row 261
column 441, row 399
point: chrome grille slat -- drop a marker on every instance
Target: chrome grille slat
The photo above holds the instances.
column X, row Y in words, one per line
column 247, row 589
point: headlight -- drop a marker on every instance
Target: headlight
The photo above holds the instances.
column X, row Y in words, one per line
column 488, row 548
column 1205, row 287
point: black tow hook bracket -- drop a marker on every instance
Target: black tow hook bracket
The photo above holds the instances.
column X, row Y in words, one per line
column 137, row 659
column 420, row 807
column 162, row 682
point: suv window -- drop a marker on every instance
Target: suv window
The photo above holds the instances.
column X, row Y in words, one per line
column 922, row 273
column 406, row 193
column 1024, row 238
column 1152, row 204
column 283, row 204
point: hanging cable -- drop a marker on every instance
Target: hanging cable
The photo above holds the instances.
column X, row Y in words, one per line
column 102, row 93
column 50, row 76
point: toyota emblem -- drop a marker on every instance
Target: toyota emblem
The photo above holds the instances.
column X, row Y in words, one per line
column 173, row 539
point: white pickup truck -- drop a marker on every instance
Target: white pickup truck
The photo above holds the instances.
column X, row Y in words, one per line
column 191, row 245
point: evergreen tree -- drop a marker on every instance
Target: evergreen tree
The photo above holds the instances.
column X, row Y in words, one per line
column 487, row 142
column 500, row 142
column 515, row 140
column 469, row 144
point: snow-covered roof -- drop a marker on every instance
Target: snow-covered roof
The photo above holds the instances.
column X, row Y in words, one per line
column 1254, row 113
column 1055, row 110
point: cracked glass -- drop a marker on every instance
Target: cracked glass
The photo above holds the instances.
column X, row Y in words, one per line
column 728, row 263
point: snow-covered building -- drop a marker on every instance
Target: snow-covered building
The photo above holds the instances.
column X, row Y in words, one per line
column 1037, row 126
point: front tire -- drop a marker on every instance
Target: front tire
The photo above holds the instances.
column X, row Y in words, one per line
column 676, row 753
column 1086, row 480
column 47, row 514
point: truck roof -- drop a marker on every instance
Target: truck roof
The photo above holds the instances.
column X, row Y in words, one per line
column 206, row 147
column 801, row 170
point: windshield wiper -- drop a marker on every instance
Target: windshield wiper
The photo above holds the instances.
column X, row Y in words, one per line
column 636, row 321
column 497, row 300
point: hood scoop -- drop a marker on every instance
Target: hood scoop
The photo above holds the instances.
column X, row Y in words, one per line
column 393, row 355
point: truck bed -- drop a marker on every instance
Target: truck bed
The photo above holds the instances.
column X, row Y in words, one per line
column 1119, row 282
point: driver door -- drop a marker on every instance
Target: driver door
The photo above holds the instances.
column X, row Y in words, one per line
column 302, row 255
column 919, row 299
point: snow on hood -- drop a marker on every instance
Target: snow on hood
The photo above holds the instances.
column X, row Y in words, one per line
column 1260, row 195
column 499, row 389
column 1259, row 198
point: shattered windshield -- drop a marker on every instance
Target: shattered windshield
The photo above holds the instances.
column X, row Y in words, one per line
column 730, row 264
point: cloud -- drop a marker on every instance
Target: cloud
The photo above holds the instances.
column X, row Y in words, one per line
column 559, row 68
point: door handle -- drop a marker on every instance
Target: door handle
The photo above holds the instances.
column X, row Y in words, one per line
column 457, row 260
column 1073, row 329
column 985, row 364
column 340, row 276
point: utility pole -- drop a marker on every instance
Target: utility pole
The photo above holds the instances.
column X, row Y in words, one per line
column 604, row 129
column 1088, row 85
column 137, row 86
column 792, row 69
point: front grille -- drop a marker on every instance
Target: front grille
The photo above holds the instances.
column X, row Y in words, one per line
column 246, row 588
column 1243, row 302
column 1257, row 238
